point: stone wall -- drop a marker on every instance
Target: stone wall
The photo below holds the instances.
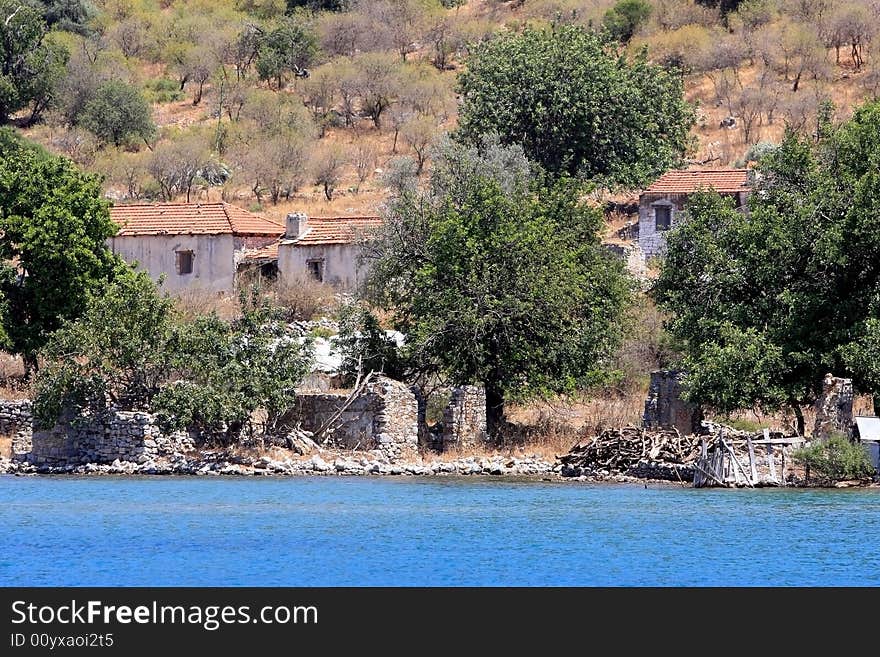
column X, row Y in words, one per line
column 464, row 418
column 834, row 408
column 632, row 257
column 665, row 407
column 121, row 435
column 383, row 417
column 16, row 427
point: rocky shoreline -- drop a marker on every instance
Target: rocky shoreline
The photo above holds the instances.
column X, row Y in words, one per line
column 220, row 463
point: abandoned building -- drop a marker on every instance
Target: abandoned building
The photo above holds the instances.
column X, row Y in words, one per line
column 197, row 246
column 324, row 248
column 661, row 203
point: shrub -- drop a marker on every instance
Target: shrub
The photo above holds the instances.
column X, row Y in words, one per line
column 117, row 113
column 302, row 297
column 835, row 459
column 162, row 90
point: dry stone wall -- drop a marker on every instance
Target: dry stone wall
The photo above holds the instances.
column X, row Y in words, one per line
column 665, row 408
column 464, row 418
column 834, row 408
column 16, row 426
column 383, row 417
column 116, row 436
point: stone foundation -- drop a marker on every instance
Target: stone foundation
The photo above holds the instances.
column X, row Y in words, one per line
column 464, row 418
column 384, row 417
column 116, row 436
column 665, row 408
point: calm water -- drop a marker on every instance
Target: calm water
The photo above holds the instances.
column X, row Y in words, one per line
column 348, row 531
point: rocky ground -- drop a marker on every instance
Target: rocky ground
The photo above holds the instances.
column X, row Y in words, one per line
column 216, row 463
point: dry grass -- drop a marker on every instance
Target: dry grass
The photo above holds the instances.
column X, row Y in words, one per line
column 304, row 298
column 192, row 303
column 12, row 381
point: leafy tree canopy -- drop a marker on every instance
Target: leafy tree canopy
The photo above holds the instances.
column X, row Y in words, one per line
column 130, row 351
column 54, row 223
column 769, row 302
column 28, row 62
column 575, row 105
column 288, row 48
column 117, row 113
column 498, row 278
column 625, row 17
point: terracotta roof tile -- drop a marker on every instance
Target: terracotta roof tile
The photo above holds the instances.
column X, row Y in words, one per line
column 335, row 230
column 686, row 182
column 264, row 253
column 190, row 219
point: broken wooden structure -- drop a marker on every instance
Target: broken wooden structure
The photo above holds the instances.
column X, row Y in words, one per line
column 737, row 459
column 636, row 451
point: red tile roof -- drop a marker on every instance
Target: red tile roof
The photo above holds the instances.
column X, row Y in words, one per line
column 335, row 230
column 264, row 253
column 687, row 182
column 190, row 219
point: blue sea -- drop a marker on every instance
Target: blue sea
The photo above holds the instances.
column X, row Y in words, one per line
column 329, row 531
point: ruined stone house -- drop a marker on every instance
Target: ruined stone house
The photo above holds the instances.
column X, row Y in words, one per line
column 324, row 248
column 662, row 203
column 197, row 246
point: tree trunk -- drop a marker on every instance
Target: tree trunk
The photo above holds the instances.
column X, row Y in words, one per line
column 877, row 405
column 799, row 415
column 495, row 418
column 30, row 365
column 198, row 97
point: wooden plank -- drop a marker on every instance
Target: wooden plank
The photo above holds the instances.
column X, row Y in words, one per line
column 753, row 468
column 780, row 441
column 739, row 466
column 771, row 465
column 783, row 466
column 710, row 475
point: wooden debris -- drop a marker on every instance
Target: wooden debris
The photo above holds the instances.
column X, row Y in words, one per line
column 620, row 450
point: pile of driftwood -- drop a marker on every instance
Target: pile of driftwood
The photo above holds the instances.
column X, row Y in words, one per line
column 623, row 449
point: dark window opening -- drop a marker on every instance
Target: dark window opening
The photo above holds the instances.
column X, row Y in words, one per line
column 184, row 262
column 269, row 271
column 316, row 269
column 663, row 217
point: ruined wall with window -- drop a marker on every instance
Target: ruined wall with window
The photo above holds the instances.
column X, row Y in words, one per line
column 188, row 261
column 334, row 264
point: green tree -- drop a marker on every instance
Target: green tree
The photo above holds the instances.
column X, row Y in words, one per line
column 54, row 223
column 288, row 48
column 366, row 347
column 115, row 354
column 29, row 65
column 131, row 351
column 575, row 105
column 117, row 113
column 625, row 17
column 496, row 278
column 224, row 371
column 42, row 90
column 768, row 302
column 318, row 5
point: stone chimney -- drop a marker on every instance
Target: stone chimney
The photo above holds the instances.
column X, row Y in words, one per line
column 295, row 224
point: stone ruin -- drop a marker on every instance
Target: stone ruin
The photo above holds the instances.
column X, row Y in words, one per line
column 834, row 408
column 387, row 415
column 464, row 418
column 666, row 409
column 123, row 435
